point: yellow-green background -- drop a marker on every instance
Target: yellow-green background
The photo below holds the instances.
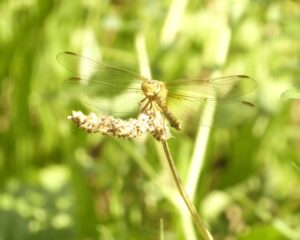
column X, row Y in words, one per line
column 58, row 182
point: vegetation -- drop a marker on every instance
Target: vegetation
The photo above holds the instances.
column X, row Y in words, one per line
column 58, row 182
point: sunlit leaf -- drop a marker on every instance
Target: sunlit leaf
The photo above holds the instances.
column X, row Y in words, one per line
column 293, row 93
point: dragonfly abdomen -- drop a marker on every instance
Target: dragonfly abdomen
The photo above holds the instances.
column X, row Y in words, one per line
column 172, row 119
column 161, row 102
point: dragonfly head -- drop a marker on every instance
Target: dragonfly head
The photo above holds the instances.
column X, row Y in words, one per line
column 151, row 88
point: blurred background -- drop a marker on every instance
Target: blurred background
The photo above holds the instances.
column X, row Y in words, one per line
column 57, row 182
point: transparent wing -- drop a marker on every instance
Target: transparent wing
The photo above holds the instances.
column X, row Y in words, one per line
column 223, row 98
column 93, row 74
column 227, row 87
column 100, row 85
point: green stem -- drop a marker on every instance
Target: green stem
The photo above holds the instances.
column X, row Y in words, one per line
column 197, row 220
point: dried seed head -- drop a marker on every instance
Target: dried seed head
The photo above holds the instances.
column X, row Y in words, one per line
column 148, row 121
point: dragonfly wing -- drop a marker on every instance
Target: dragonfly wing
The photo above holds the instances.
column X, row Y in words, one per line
column 84, row 67
column 224, row 100
column 95, row 88
column 122, row 106
column 211, row 113
column 227, row 87
column 99, row 99
column 97, row 75
column 97, row 83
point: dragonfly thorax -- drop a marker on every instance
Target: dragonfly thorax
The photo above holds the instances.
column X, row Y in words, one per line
column 150, row 88
column 153, row 89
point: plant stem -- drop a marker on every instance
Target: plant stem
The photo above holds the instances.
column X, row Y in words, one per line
column 197, row 220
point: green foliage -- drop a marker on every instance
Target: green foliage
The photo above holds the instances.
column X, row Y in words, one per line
column 57, row 182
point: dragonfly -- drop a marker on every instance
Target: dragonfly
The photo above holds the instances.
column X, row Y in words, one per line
column 175, row 100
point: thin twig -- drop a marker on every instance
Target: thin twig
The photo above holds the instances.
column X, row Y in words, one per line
column 145, row 70
column 197, row 220
column 131, row 128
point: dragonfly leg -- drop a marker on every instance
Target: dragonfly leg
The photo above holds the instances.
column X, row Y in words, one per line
column 143, row 100
column 147, row 106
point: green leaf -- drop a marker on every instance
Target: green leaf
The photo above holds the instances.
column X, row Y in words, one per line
column 293, row 93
